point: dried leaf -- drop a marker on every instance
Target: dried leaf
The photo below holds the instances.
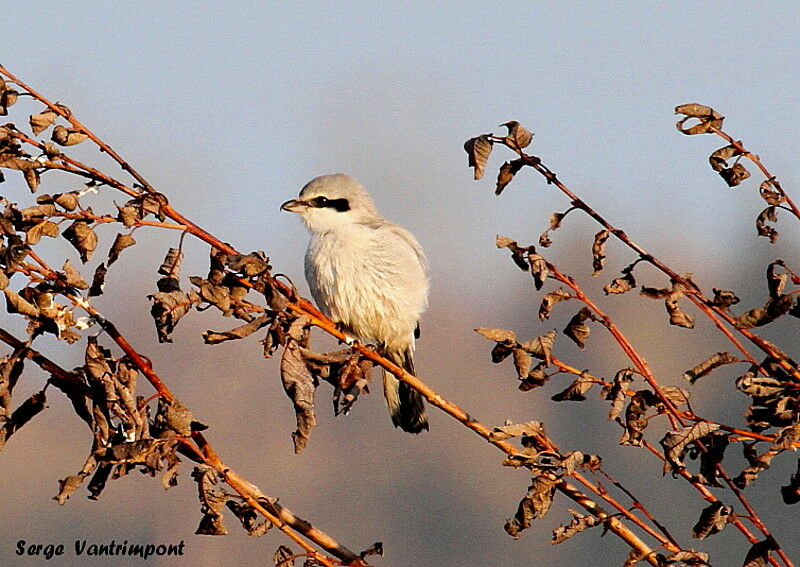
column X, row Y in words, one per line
column 708, row 365
column 98, row 281
column 775, row 308
column 710, row 120
column 635, row 422
column 599, row 251
column 551, row 299
column 715, row 445
column 713, row 519
column 15, row 303
column 616, row 392
column 539, row 270
column 249, row 517
column 168, row 308
column 67, row 136
column 212, row 502
column 555, row 223
column 675, row 443
column 769, row 192
column 520, row 254
column 67, row 486
column 42, row 121
column 621, row 285
column 213, row 337
column 575, row 392
column 511, row 430
column 478, row 149
column 535, row 378
column 506, row 174
column 579, row 523
column 498, row 335
column 121, row 242
column 758, row 554
column 518, row 137
column 535, row 504
column 655, row 292
column 283, row 557
column 44, row 228
column 576, row 330
column 767, row 215
column 299, row 384
column 724, row 298
column 676, row 316
column 83, row 238
column 541, row 346
column 522, row 362
column 32, row 178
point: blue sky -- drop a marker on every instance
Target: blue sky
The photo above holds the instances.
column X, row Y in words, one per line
column 229, row 109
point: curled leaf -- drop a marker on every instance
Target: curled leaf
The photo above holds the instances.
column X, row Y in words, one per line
column 576, row 330
column 708, row 365
column 675, row 443
column 67, row 136
column 579, row 523
column 575, row 392
column 478, row 150
column 518, row 137
column 121, row 242
column 539, row 270
column 549, row 300
column 518, row 253
column 709, row 119
column 676, row 316
column 769, row 192
column 506, row 174
column 83, row 238
column 42, row 121
column 535, row 504
column 767, row 215
column 599, row 251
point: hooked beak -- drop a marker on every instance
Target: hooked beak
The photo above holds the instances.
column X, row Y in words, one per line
column 293, row 206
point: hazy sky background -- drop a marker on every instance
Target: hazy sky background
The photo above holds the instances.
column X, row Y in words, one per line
column 229, row 108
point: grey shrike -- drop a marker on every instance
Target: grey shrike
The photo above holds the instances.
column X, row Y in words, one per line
column 369, row 275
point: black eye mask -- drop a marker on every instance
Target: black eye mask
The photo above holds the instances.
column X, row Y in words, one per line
column 340, row 205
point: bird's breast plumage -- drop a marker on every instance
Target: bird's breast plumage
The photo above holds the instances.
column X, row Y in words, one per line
column 367, row 277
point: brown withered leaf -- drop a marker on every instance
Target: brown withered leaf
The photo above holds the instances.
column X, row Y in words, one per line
column 708, row 365
column 67, row 201
column 511, row 430
column 555, row 223
column 67, row 486
column 121, row 242
column 42, row 121
column 240, row 332
column 498, row 335
column 541, row 346
column 676, row 443
column 171, row 266
column 518, row 253
column 98, row 281
column 580, row 522
column 73, row 277
column 599, row 251
column 775, row 308
column 15, row 303
column 36, row 231
column 518, row 137
column 212, row 501
column 83, row 238
column 688, row 557
column 375, row 549
column 733, row 175
column 724, row 298
column 776, row 281
column 298, row 383
column 31, row 407
column 478, row 150
column 713, row 519
column 758, row 554
column 32, row 179
column 770, row 193
column 719, row 159
column 283, row 557
column 621, row 285
column 535, row 378
column 616, row 392
column 168, row 308
column 715, row 444
column 522, row 362
column 676, row 316
column 249, row 517
column 710, row 120
column 535, row 504
column 539, row 270
column 762, row 228
column 128, row 216
column 655, row 292
column 551, row 299
column 506, row 174
column 64, row 136
column 575, row 392
column 635, row 421
column 576, row 330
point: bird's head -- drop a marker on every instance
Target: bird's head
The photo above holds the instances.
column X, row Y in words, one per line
column 332, row 201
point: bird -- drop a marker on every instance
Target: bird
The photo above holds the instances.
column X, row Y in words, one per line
column 369, row 275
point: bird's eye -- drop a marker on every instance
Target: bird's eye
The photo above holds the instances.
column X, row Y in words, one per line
column 319, row 201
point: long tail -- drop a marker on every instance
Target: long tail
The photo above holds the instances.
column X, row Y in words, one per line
column 406, row 405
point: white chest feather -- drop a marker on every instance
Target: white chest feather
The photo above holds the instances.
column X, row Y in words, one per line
column 371, row 278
